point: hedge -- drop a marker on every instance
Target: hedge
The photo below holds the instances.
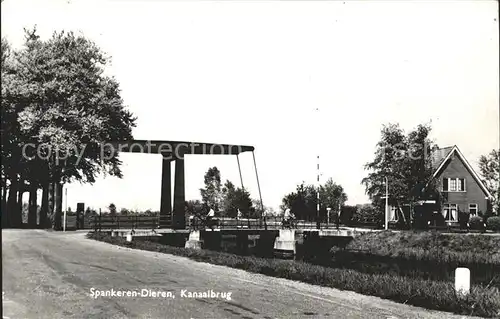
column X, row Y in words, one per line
column 493, row 223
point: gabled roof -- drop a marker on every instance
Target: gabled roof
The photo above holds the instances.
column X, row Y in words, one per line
column 440, row 156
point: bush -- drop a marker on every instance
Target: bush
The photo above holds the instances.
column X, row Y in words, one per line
column 476, row 223
column 482, row 301
column 463, row 219
column 493, row 223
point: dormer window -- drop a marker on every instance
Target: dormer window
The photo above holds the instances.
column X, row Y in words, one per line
column 453, row 184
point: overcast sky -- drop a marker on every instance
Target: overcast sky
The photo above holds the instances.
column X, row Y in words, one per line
column 252, row 73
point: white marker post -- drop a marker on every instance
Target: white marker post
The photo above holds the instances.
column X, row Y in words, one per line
column 462, row 281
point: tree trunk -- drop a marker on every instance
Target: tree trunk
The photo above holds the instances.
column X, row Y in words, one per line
column 58, row 206
column 19, row 213
column 45, row 206
column 32, row 210
column 12, row 206
column 5, row 216
column 51, row 204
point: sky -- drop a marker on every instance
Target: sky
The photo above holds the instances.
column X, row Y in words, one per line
column 254, row 73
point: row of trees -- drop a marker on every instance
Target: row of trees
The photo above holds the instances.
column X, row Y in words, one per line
column 57, row 108
column 226, row 199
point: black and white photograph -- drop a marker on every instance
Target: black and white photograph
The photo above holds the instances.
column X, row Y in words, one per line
column 266, row 159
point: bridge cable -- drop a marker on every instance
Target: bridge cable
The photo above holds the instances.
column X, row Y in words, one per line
column 258, row 186
column 239, row 168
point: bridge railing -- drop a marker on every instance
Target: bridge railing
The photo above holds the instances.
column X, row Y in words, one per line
column 124, row 222
column 99, row 222
column 269, row 222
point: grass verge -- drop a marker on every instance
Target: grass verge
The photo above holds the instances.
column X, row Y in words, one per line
column 482, row 301
column 432, row 246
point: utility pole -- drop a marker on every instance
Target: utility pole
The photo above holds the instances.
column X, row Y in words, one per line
column 386, row 203
column 318, row 223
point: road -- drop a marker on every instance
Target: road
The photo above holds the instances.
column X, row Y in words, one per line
column 52, row 274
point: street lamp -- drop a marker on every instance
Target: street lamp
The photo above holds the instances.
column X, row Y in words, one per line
column 386, row 224
column 386, row 203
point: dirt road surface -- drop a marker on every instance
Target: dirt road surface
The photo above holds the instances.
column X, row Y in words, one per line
column 53, row 274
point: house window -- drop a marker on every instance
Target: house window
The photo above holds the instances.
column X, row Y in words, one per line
column 473, row 209
column 453, row 184
column 445, row 184
column 461, row 184
column 450, row 212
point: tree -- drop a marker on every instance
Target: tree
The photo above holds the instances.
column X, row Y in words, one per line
column 228, row 205
column 347, row 214
column 195, row 207
column 212, row 194
column 367, row 213
column 489, row 168
column 259, row 212
column 303, row 201
column 112, row 209
column 405, row 160
column 55, row 96
column 332, row 195
column 234, row 198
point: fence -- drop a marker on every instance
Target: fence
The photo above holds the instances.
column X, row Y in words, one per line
column 152, row 222
column 271, row 222
column 125, row 222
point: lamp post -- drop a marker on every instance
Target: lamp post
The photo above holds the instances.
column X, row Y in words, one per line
column 386, row 203
column 328, row 209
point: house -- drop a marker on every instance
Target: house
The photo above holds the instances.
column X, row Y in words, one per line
column 461, row 188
